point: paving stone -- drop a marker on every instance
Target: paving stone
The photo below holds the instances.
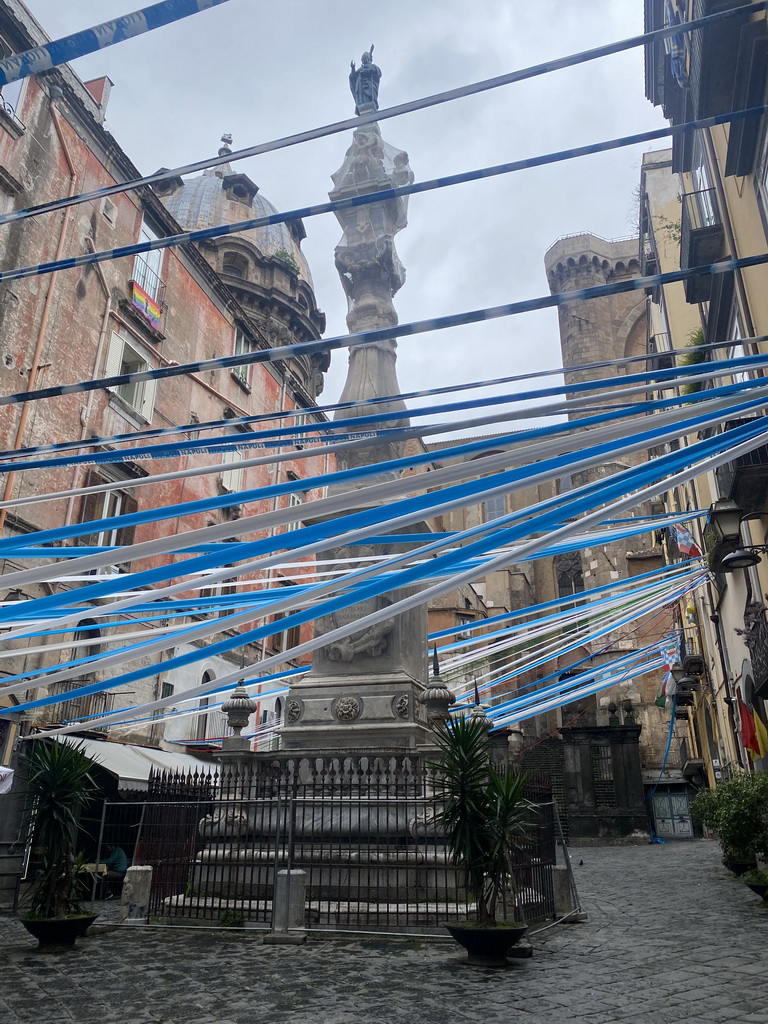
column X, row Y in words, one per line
column 670, row 939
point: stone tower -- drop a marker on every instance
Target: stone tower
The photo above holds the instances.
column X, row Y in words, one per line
column 609, row 327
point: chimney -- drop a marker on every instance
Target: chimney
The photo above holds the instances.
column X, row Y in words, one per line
column 100, row 89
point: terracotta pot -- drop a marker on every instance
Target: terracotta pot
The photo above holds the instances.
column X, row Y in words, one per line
column 58, row 934
column 487, row 947
column 756, row 887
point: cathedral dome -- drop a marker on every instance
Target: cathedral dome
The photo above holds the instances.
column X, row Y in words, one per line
column 220, row 196
column 264, row 268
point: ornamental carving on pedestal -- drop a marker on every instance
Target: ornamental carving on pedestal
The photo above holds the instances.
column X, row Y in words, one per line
column 294, row 710
column 402, row 706
column 347, row 709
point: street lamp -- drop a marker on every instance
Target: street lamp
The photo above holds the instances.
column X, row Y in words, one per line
column 743, row 557
column 686, row 686
column 725, row 549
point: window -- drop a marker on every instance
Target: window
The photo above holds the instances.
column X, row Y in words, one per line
column 465, row 621
column 288, row 638
column 146, row 268
column 201, row 730
column 126, row 356
column 295, row 501
column 202, row 720
column 87, row 633
column 109, row 210
column 234, row 265
column 570, row 579
column 226, row 588
column 10, row 95
column 231, row 479
column 166, row 690
column 105, row 505
column 702, row 184
column 298, row 421
column 737, row 350
column 494, row 508
column 243, row 346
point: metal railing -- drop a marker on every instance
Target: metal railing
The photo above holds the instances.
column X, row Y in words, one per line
column 366, row 837
column 148, row 279
column 91, row 705
column 10, row 111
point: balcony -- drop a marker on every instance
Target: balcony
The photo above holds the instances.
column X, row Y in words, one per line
column 659, row 356
column 147, row 293
column 745, row 480
column 713, row 58
column 691, row 657
column 702, row 240
column 92, row 705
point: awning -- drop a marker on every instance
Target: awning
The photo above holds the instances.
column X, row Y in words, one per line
column 131, row 764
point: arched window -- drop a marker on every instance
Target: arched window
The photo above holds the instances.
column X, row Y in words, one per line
column 87, row 630
column 202, row 720
column 570, row 579
column 233, row 264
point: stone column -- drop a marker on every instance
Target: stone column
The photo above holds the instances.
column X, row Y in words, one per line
column 363, row 691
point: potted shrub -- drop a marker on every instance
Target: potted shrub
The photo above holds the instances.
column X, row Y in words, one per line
column 483, row 817
column 737, row 811
column 757, row 881
column 59, row 783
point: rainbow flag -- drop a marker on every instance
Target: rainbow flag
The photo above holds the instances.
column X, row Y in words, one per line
column 146, row 305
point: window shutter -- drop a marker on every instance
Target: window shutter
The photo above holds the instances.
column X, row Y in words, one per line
column 125, row 534
column 114, row 358
column 231, row 479
column 90, row 509
column 148, row 398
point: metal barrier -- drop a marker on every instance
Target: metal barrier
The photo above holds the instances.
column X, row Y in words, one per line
column 365, row 838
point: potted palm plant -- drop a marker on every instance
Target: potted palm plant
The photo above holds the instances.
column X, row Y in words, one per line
column 59, row 784
column 484, row 815
column 737, row 811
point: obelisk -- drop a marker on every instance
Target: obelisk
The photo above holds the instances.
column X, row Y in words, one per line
column 363, row 691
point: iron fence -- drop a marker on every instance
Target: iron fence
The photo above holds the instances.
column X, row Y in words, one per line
column 364, row 833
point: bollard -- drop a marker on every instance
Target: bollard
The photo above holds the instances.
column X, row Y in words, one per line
column 288, row 908
column 134, row 899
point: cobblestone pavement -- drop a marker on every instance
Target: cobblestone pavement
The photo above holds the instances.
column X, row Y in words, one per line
column 671, row 937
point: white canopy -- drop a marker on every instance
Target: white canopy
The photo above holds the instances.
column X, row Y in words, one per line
column 132, row 764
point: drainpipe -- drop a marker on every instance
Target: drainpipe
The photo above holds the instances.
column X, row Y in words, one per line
column 85, row 413
column 55, row 96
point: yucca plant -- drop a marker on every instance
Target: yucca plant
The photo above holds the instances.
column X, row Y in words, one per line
column 484, row 815
column 60, row 785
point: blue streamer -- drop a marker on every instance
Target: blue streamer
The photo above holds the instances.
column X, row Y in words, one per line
column 62, row 51
column 613, row 486
column 229, row 442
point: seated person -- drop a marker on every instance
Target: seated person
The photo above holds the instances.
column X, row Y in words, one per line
column 117, row 865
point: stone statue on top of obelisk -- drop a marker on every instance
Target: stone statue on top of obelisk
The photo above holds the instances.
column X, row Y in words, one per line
column 363, row 691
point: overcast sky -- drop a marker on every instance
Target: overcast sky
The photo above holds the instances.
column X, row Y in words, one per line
column 261, row 70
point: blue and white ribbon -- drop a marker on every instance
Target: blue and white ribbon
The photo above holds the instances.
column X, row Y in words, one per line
column 521, row 75
column 69, row 48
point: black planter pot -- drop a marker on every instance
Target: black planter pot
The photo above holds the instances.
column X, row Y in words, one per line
column 758, row 889
column 739, row 867
column 56, row 935
column 487, row 947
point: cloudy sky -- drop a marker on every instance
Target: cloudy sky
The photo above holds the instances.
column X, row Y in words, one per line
column 262, row 70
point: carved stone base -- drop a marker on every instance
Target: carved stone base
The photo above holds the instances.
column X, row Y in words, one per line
column 355, row 713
